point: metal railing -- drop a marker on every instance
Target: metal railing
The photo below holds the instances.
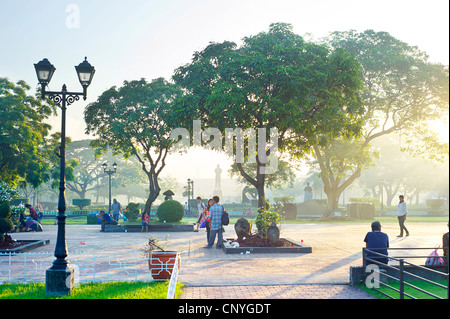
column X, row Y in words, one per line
column 402, row 272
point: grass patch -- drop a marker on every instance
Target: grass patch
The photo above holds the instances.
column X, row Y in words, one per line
column 106, row 290
column 81, row 220
column 438, row 291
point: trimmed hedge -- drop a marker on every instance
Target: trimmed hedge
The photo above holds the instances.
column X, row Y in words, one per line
column 81, row 202
column 133, row 211
column 170, row 211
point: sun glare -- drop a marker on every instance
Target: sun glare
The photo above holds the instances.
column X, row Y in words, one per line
column 441, row 128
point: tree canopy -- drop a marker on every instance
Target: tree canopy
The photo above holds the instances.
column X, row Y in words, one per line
column 275, row 79
column 136, row 120
column 24, row 149
column 401, row 92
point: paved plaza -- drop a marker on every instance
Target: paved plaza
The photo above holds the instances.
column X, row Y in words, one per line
column 210, row 273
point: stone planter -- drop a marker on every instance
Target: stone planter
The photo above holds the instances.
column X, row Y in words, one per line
column 296, row 248
column 161, row 263
column 160, row 228
column 28, row 245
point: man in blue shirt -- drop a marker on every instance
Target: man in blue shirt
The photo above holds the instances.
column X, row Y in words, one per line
column 215, row 217
column 378, row 242
column 106, row 219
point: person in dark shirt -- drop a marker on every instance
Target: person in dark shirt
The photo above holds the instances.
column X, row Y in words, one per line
column 106, row 219
column 33, row 213
column 377, row 241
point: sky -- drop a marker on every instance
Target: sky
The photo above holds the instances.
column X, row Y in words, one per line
column 133, row 39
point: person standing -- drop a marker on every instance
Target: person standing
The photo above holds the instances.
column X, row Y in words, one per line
column 116, row 210
column 215, row 218
column 402, row 210
column 200, row 208
column 377, row 241
column 206, row 213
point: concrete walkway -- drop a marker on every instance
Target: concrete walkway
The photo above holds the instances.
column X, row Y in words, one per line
column 210, row 273
column 306, row 291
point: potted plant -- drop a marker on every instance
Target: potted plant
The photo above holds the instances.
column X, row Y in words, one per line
column 160, row 261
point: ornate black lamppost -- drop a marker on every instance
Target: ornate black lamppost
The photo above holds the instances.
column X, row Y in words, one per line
column 109, row 172
column 59, row 278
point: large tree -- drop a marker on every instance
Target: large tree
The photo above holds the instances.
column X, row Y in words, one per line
column 273, row 80
column 136, row 120
column 401, row 92
column 24, row 148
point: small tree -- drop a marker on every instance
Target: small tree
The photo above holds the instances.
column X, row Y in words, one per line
column 136, row 120
column 133, row 211
column 7, row 194
column 264, row 220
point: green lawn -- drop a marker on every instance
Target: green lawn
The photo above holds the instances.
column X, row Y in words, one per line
column 438, row 291
column 108, row 290
column 307, row 220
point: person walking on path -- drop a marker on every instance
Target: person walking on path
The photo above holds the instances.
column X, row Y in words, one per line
column 116, row 210
column 215, row 217
column 401, row 215
column 377, row 241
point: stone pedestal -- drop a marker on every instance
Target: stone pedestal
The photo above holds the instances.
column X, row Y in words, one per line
column 59, row 282
column 114, row 228
column 273, row 233
column 242, row 228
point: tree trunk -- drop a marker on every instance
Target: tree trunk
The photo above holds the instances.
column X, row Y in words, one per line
column 258, row 183
column 332, row 201
column 154, row 190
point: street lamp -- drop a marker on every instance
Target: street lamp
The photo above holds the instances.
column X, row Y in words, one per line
column 60, row 277
column 190, row 192
column 109, row 172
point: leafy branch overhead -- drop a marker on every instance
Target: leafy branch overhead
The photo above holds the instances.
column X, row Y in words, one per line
column 136, row 120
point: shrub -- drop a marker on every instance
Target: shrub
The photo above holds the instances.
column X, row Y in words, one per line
column 170, row 211
column 133, row 211
column 435, row 203
column 365, row 200
column 6, row 223
column 264, row 220
column 81, row 202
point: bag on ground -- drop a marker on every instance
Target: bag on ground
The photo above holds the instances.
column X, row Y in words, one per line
column 433, row 259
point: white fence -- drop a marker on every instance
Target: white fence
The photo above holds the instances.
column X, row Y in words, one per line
column 89, row 267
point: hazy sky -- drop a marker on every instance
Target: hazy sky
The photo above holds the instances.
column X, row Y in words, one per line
column 127, row 40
